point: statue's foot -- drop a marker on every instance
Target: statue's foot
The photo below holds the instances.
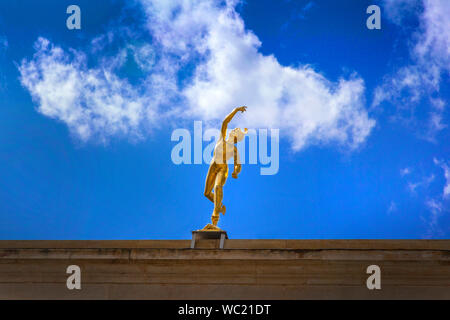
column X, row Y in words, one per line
column 211, row 227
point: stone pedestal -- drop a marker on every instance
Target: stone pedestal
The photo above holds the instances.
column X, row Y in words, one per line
column 201, row 234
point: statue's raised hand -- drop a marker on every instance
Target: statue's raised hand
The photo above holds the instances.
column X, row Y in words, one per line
column 241, row 109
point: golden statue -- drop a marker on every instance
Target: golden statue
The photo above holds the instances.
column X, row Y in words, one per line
column 218, row 169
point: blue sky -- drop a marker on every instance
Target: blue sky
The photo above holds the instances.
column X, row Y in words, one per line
column 86, row 118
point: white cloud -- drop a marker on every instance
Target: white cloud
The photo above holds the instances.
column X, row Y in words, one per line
column 434, row 44
column 430, row 56
column 229, row 71
column 92, row 102
column 299, row 100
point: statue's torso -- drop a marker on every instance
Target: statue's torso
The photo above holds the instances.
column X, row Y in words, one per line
column 219, row 151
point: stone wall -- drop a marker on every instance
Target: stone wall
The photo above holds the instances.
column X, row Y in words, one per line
column 244, row 269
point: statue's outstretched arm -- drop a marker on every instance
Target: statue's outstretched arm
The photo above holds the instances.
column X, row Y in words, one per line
column 225, row 122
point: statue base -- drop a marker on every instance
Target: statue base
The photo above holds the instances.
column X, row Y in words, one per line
column 209, row 232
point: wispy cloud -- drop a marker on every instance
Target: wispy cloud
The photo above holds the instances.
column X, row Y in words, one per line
column 3, row 43
column 430, row 59
column 436, row 209
column 397, row 11
column 437, row 205
column 423, row 183
column 405, row 171
column 392, row 207
column 228, row 71
column 306, row 9
column 446, row 168
column 298, row 14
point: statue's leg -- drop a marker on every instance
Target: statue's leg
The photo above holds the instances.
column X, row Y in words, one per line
column 218, row 196
column 210, row 181
column 221, row 178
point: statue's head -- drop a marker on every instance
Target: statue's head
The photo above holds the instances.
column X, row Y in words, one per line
column 237, row 134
